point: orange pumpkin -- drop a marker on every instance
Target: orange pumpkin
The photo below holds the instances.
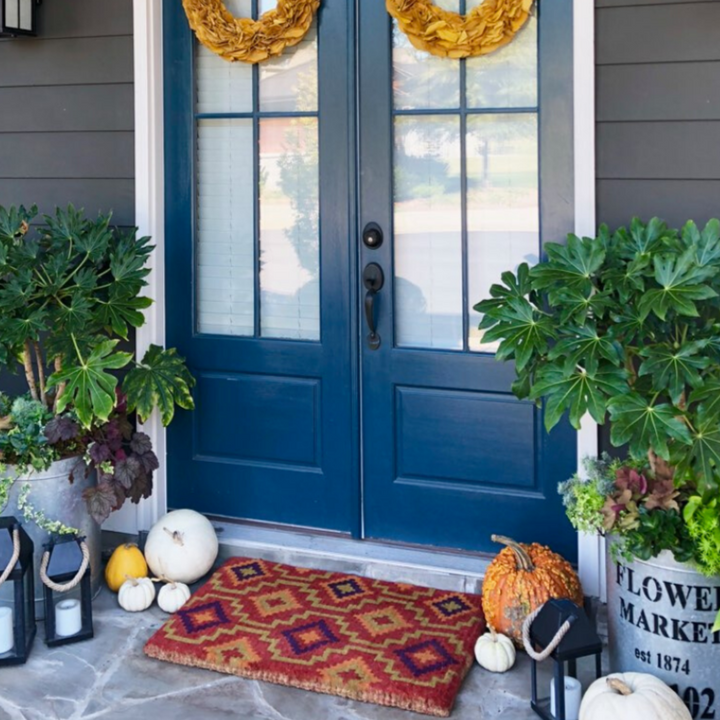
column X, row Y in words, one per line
column 521, row 579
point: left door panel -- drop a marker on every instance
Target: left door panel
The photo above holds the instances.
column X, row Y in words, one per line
column 258, row 217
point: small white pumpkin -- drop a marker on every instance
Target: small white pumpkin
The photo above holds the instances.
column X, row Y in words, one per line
column 181, row 546
column 495, row 652
column 173, row 596
column 632, row 696
column 136, row 594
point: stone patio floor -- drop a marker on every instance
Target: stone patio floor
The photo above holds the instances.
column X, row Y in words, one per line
column 109, row 677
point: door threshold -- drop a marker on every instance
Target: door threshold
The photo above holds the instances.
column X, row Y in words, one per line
column 428, row 567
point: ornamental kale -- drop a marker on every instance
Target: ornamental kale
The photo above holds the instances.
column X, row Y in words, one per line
column 22, row 442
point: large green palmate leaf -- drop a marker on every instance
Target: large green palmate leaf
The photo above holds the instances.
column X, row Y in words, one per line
column 571, row 265
column 680, row 280
column 128, row 264
column 627, row 279
column 586, row 347
column 577, row 391
column 119, row 313
column 672, row 368
column 703, row 459
column 635, row 420
column 522, row 329
column 576, row 306
column 89, row 388
column 514, row 287
column 708, row 396
column 706, row 243
column 161, row 380
column 645, row 239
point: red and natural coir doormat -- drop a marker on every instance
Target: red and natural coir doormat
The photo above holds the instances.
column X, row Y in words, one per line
column 380, row 642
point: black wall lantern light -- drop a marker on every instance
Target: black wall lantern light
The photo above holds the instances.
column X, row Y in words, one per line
column 65, row 574
column 18, row 17
column 560, row 630
column 17, row 593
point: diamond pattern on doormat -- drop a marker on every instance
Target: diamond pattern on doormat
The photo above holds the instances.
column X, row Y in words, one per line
column 382, row 642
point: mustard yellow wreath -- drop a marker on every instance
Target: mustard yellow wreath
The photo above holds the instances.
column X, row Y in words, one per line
column 484, row 29
column 247, row 40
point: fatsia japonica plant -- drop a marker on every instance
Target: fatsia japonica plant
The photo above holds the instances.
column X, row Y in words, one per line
column 71, row 294
column 626, row 324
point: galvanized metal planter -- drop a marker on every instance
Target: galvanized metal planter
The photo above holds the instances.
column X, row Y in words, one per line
column 52, row 493
column 660, row 619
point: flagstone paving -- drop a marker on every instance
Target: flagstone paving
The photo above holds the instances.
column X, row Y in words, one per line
column 109, row 677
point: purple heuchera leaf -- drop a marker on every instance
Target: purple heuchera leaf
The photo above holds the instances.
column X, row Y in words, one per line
column 149, row 461
column 126, row 471
column 61, row 429
column 142, row 488
column 101, row 501
column 99, row 453
column 141, row 443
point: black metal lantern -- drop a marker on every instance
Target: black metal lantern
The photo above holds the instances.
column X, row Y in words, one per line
column 18, row 17
column 65, row 574
column 17, row 593
column 563, row 629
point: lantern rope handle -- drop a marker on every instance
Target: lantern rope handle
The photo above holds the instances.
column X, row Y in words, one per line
column 559, row 635
column 13, row 558
column 55, row 587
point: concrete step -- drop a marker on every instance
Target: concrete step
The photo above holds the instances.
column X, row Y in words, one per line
column 427, row 567
column 445, row 570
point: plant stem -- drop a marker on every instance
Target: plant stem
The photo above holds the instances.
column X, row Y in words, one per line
column 61, row 387
column 77, row 349
column 522, row 557
column 29, row 372
column 41, row 371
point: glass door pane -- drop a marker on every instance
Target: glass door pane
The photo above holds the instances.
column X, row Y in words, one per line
column 465, row 183
column 257, row 237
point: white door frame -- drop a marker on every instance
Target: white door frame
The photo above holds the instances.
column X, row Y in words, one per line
column 150, row 211
column 150, row 219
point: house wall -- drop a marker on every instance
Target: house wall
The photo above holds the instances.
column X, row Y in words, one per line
column 658, row 110
column 66, row 110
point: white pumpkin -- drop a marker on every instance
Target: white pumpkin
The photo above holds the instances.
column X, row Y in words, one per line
column 495, row 652
column 181, row 546
column 136, row 594
column 632, row 696
column 173, row 596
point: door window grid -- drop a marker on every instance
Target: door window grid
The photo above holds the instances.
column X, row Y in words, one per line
column 501, row 90
column 257, row 192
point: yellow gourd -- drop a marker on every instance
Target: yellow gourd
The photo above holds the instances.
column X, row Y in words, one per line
column 126, row 562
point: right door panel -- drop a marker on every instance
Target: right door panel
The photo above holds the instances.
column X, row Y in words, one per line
column 466, row 171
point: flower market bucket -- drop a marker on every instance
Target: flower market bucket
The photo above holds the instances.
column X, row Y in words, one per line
column 660, row 619
column 51, row 493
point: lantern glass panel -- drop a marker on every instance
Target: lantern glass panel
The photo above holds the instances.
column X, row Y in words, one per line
column 7, row 627
column 12, row 13
column 67, row 610
column 26, row 8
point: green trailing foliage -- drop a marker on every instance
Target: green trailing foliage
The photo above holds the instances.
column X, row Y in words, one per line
column 626, row 327
column 71, row 290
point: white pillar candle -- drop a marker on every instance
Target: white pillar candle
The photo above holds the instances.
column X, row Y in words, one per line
column 573, row 695
column 7, row 631
column 68, row 618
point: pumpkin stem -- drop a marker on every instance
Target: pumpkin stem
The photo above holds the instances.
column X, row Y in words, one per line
column 176, row 535
column 619, row 686
column 524, row 561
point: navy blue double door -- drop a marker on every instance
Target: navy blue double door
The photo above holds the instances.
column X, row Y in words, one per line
column 341, row 382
